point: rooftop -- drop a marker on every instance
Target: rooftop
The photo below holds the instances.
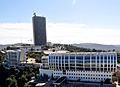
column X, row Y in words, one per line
column 83, row 53
column 13, row 50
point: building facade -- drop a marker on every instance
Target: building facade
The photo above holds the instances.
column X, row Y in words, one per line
column 39, row 30
column 13, row 57
column 84, row 66
column 44, row 61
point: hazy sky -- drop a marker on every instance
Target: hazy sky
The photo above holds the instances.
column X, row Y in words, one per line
column 68, row 21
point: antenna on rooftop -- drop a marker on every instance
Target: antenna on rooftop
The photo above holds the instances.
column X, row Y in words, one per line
column 34, row 14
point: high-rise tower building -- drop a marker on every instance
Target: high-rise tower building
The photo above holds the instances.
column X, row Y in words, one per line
column 39, row 30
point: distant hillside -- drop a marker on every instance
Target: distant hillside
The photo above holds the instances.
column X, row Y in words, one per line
column 98, row 46
column 2, row 46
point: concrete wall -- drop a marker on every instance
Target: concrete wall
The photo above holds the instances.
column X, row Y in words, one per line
column 46, row 71
column 93, row 76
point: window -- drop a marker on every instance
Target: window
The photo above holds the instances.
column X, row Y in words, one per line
column 105, row 57
column 66, row 59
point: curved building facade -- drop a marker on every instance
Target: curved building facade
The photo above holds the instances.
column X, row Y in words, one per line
column 84, row 66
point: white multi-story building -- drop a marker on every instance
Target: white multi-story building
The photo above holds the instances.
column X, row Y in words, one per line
column 14, row 57
column 44, row 61
column 84, row 66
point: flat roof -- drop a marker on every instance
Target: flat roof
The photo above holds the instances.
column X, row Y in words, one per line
column 13, row 50
column 82, row 53
column 40, row 84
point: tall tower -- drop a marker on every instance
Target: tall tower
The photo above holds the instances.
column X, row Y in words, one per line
column 39, row 30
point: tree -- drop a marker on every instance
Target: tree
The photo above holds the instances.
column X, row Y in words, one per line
column 78, row 80
column 113, row 50
column 52, row 77
column 14, row 71
column 118, row 55
column 22, row 80
column 11, row 81
column 2, row 56
column 45, row 47
column 8, row 82
column 45, row 77
column 15, row 84
column 94, row 50
column 107, row 81
column 101, row 83
column 20, row 77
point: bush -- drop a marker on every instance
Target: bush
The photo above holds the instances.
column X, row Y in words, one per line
column 107, row 81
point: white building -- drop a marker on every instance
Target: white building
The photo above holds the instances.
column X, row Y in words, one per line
column 44, row 61
column 27, row 48
column 83, row 66
column 14, row 57
column 30, row 48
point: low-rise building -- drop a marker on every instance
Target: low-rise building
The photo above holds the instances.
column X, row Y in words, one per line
column 27, row 48
column 13, row 58
column 44, row 61
column 83, row 66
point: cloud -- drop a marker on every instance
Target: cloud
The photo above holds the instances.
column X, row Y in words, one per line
column 59, row 33
column 15, row 25
column 75, row 33
column 73, row 2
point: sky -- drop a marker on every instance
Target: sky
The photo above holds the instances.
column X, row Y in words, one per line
column 68, row 21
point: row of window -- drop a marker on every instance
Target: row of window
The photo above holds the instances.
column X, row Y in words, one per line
column 86, row 69
column 84, row 74
column 85, row 57
column 92, row 61
column 85, row 78
column 82, row 66
column 55, row 63
column 88, row 78
column 81, row 61
column 111, row 58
